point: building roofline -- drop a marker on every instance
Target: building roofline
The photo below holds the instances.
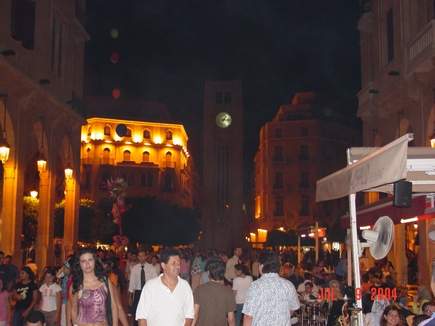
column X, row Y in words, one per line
column 138, row 122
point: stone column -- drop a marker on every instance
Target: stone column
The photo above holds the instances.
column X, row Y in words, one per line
column 398, row 255
column 425, row 252
column 11, row 214
column 44, row 238
column 72, row 204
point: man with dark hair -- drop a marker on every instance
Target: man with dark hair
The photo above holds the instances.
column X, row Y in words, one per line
column 271, row 299
column 167, row 299
column 230, row 271
column 428, row 308
column 35, row 318
column 139, row 275
column 214, row 302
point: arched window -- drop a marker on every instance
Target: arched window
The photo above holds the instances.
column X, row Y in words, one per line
column 146, row 134
column 168, row 135
column 128, row 132
column 145, row 156
column 127, row 156
column 168, row 156
column 106, row 156
column 107, row 131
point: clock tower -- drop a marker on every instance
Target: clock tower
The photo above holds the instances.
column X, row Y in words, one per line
column 222, row 165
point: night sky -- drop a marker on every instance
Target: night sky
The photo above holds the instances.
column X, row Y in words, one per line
column 276, row 47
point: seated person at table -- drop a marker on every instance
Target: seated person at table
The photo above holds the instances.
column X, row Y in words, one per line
column 308, row 294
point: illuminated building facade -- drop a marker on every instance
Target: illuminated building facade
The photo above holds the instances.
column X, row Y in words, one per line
column 296, row 148
column 152, row 157
column 41, row 69
column 223, row 213
column 397, row 97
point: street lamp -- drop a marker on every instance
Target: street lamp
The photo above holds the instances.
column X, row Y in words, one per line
column 68, row 173
column 41, row 160
column 4, row 146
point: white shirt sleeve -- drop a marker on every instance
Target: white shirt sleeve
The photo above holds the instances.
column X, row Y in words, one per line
column 132, row 286
column 143, row 306
column 294, row 303
column 250, row 302
column 189, row 311
column 236, row 284
column 57, row 288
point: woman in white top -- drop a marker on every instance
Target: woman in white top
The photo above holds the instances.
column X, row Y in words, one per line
column 241, row 284
column 50, row 304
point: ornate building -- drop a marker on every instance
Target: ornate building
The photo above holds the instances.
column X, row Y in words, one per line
column 41, row 68
column 152, row 157
column 397, row 95
column 222, row 165
column 296, row 148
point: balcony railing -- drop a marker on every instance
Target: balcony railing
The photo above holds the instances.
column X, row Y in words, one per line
column 421, row 49
column 169, row 165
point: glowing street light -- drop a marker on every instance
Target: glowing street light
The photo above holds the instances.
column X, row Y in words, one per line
column 41, row 162
column 68, row 173
column 4, row 146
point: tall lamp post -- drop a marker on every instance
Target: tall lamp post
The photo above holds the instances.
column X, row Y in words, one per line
column 4, row 146
column 41, row 161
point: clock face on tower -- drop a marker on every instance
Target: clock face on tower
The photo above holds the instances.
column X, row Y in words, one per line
column 223, row 120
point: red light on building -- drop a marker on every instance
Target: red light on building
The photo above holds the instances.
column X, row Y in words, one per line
column 116, row 93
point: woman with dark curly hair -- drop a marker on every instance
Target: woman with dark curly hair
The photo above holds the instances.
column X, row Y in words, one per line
column 92, row 296
column 26, row 296
column 392, row 316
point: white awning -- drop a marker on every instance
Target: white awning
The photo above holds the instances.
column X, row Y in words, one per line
column 420, row 166
column 375, row 169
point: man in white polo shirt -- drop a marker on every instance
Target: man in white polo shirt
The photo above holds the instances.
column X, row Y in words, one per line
column 166, row 300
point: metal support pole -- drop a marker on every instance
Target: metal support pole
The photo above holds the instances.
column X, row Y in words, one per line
column 355, row 255
column 316, row 235
column 349, row 259
column 299, row 249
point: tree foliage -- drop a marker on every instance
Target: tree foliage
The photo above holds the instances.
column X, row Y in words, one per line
column 95, row 222
column 151, row 221
column 30, row 221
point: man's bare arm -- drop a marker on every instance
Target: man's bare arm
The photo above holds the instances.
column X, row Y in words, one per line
column 142, row 322
column 247, row 320
column 196, row 308
column 231, row 319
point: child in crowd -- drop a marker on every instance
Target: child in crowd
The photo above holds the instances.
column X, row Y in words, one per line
column 51, row 298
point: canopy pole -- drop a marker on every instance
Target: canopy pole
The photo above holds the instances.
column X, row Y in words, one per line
column 355, row 256
column 316, row 230
column 349, row 259
column 299, row 249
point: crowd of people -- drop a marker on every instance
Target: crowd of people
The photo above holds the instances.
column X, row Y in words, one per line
column 187, row 287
